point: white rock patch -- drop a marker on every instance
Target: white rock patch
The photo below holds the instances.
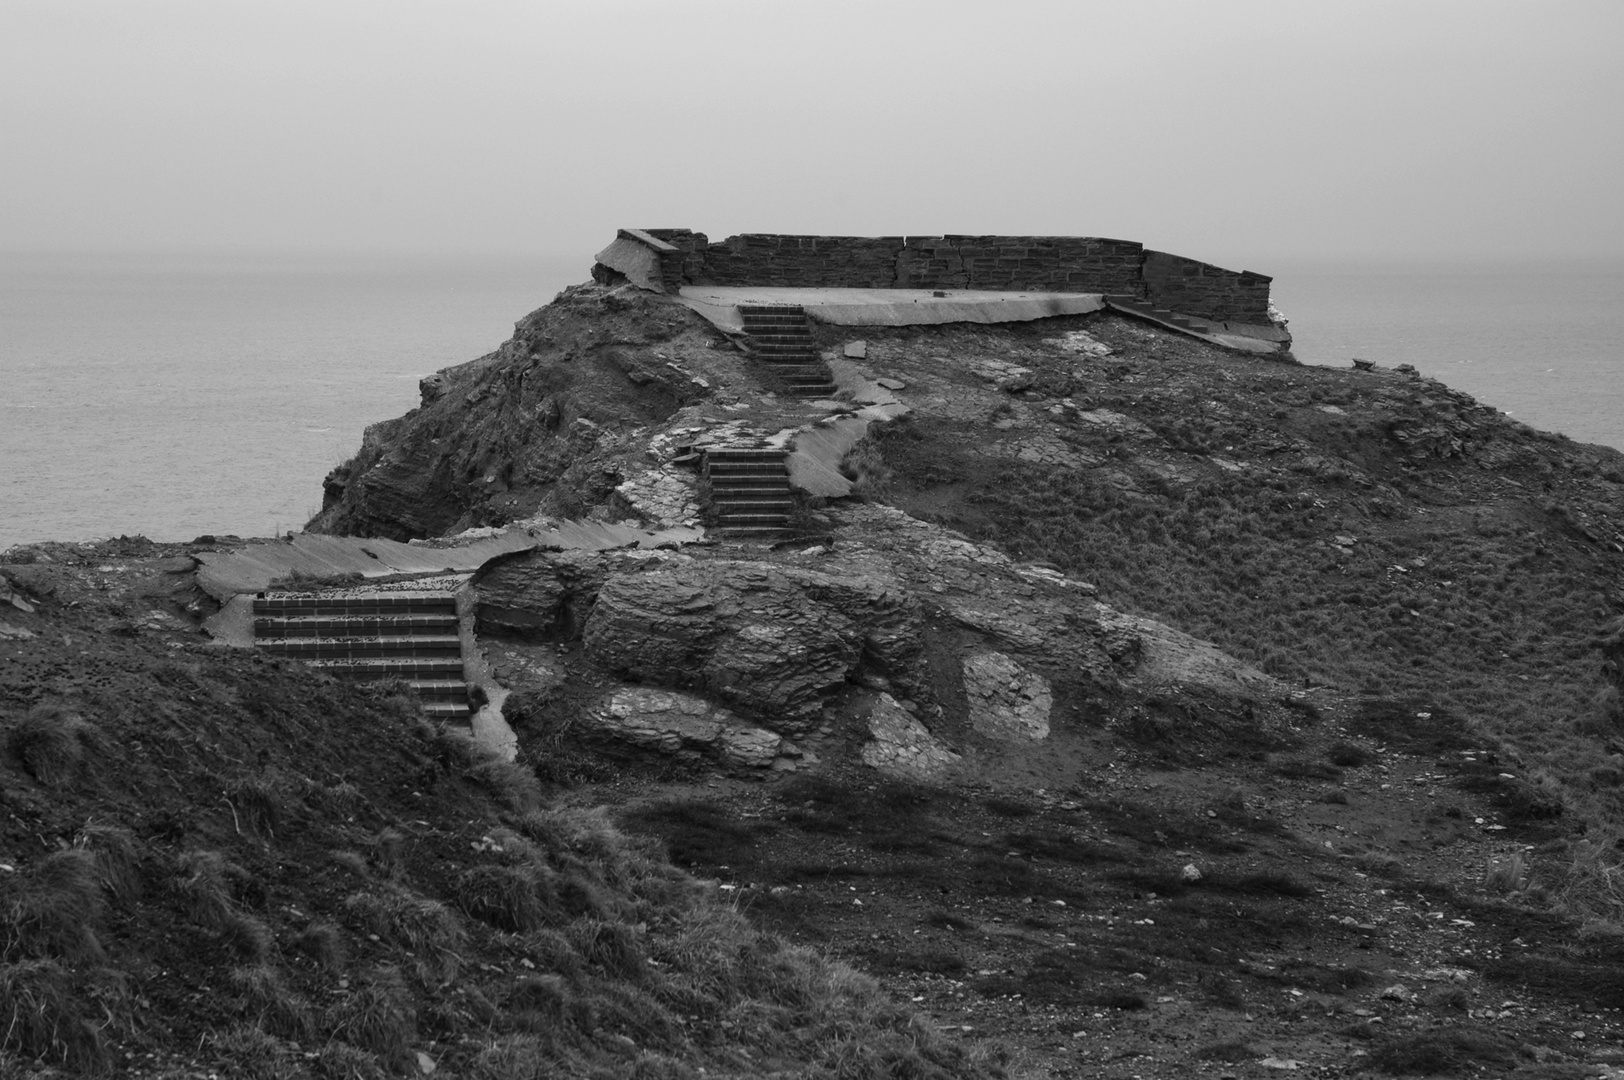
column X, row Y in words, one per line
column 1006, row 701
column 901, row 745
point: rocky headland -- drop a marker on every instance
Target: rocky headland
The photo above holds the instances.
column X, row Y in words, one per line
column 1124, row 704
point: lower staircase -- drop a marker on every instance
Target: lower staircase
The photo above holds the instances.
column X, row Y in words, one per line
column 410, row 636
column 750, row 493
column 781, row 337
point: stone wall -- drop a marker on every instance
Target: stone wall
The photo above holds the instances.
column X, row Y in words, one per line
column 1081, row 264
column 1022, row 263
column 1197, row 288
column 853, row 262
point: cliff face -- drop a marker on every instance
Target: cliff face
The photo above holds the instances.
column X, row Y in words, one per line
column 529, row 428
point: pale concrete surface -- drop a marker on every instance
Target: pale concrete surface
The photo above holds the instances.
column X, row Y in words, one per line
column 1262, row 340
column 252, row 569
column 888, row 307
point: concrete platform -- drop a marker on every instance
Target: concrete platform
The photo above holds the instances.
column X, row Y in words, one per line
column 887, row 307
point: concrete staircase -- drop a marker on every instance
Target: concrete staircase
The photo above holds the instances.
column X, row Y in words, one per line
column 781, row 337
column 750, row 493
column 370, row 636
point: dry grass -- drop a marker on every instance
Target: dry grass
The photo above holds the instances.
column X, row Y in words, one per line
column 425, row 928
column 50, row 910
column 513, row 898
column 1449, row 1051
column 52, row 742
column 510, row 782
column 378, row 1016
column 117, row 857
column 206, row 883
column 256, row 1055
column 42, row 1017
column 271, row 1004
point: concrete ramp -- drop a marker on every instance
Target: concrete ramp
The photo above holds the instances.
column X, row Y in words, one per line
column 252, row 569
column 886, row 307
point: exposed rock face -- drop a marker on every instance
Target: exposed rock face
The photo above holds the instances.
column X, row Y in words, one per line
column 546, row 423
column 667, row 495
column 1006, row 701
column 682, row 725
column 774, row 641
column 543, row 594
column 903, row 747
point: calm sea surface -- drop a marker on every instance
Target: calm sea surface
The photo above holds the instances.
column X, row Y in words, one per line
column 175, row 396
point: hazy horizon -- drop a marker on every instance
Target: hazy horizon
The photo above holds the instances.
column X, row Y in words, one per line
column 1247, row 134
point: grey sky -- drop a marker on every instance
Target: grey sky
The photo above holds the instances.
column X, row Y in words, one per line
column 1241, row 131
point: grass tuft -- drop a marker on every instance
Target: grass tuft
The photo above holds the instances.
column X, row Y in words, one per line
column 514, row 898
column 1450, row 1051
column 322, row 942
column 49, row 911
column 271, row 1005
column 378, row 1016
column 206, row 883
column 50, row 742
column 117, row 858
column 42, row 1017
column 426, row 928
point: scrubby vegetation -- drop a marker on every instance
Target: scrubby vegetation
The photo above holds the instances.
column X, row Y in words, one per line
column 225, row 863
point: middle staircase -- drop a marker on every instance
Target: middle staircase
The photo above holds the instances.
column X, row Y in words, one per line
column 781, row 336
column 410, row 636
column 750, row 491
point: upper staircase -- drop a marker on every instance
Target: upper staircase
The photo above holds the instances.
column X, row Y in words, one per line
column 781, row 336
column 410, row 636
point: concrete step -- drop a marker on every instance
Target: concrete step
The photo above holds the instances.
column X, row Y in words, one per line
column 744, row 453
column 395, row 603
column 766, row 535
column 772, row 311
column 373, row 668
column 773, row 352
column 747, row 494
column 814, row 390
column 726, row 508
column 355, row 625
column 345, row 648
column 447, row 710
column 746, row 468
column 440, row 689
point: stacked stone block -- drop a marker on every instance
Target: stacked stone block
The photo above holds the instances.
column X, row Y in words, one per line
column 1021, row 263
column 1198, row 288
column 822, row 262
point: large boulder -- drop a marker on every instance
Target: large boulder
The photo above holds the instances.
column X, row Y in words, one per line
column 772, row 640
column 683, row 726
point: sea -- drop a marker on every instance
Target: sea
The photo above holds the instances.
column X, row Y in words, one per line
column 175, row 395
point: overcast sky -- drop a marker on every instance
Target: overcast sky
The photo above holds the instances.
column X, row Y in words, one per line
column 1241, row 131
